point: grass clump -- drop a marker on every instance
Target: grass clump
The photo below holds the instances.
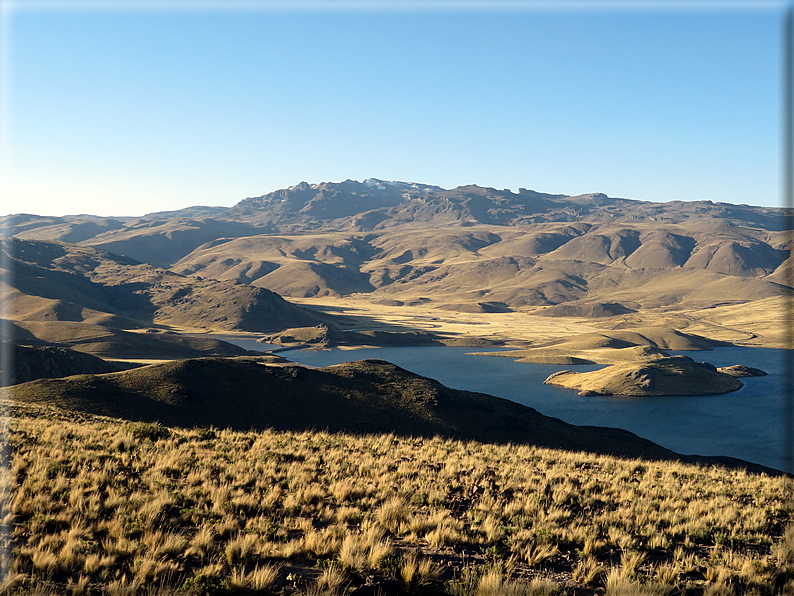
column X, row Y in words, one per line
column 180, row 511
column 148, row 431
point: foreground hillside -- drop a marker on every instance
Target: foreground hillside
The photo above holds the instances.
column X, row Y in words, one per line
column 101, row 506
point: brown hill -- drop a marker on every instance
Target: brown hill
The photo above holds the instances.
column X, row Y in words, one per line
column 740, row 370
column 159, row 239
column 587, row 309
column 47, row 362
column 663, row 338
column 676, row 375
column 108, row 342
column 616, row 346
column 538, row 265
column 369, row 396
column 63, row 282
column 323, row 336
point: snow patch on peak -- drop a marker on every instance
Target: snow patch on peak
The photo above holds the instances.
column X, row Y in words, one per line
column 381, row 184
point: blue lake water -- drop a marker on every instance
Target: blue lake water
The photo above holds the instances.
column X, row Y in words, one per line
column 747, row 424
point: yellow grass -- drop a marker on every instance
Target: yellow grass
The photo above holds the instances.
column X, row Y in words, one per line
column 105, row 507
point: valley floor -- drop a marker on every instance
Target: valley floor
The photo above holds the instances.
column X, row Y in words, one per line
column 754, row 324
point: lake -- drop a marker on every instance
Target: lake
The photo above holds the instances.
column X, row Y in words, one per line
column 747, row 424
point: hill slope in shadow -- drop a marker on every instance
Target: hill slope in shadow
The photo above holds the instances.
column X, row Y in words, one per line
column 369, row 396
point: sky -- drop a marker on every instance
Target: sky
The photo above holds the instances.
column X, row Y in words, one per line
column 124, row 108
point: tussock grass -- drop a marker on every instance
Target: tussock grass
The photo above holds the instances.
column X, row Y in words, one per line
column 99, row 506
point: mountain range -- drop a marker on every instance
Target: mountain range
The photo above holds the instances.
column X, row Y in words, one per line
column 469, row 248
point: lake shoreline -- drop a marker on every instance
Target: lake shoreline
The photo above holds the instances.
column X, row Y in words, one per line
column 744, row 424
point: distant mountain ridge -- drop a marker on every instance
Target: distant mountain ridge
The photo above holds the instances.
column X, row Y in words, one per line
column 320, row 204
column 374, row 204
column 162, row 238
column 588, row 255
column 378, row 204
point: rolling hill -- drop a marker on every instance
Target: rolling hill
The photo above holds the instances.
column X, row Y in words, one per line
column 70, row 296
column 467, row 249
column 47, row 281
column 369, row 396
column 589, row 255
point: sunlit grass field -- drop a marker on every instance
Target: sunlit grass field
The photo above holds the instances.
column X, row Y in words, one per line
column 99, row 506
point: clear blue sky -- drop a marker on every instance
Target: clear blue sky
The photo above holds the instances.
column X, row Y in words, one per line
column 136, row 108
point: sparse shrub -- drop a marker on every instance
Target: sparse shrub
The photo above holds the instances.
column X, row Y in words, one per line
column 12, row 581
column 668, row 574
column 389, row 563
column 353, row 553
column 344, row 490
column 538, row 553
column 492, row 529
column 443, row 535
column 123, row 587
column 784, row 550
column 258, row 579
column 124, row 442
column 332, row 580
column 630, row 562
column 148, row 431
column 45, row 561
column 239, row 549
column 378, row 552
column 204, row 585
column 205, row 434
column 542, row 586
column 492, row 583
column 592, row 546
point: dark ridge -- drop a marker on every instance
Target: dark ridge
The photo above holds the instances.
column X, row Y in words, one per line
column 369, row 396
column 29, row 363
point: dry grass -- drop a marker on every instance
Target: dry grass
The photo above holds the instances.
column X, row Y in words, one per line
column 99, row 506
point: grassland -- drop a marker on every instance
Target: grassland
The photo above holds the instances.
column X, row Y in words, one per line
column 100, row 506
column 759, row 323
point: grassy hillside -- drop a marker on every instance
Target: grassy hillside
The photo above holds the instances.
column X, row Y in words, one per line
column 101, row 506
column 29, row 363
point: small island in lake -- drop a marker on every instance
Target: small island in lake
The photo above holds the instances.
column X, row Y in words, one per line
column 663, row 375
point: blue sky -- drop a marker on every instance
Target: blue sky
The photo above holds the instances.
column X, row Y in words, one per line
column 127, row 108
